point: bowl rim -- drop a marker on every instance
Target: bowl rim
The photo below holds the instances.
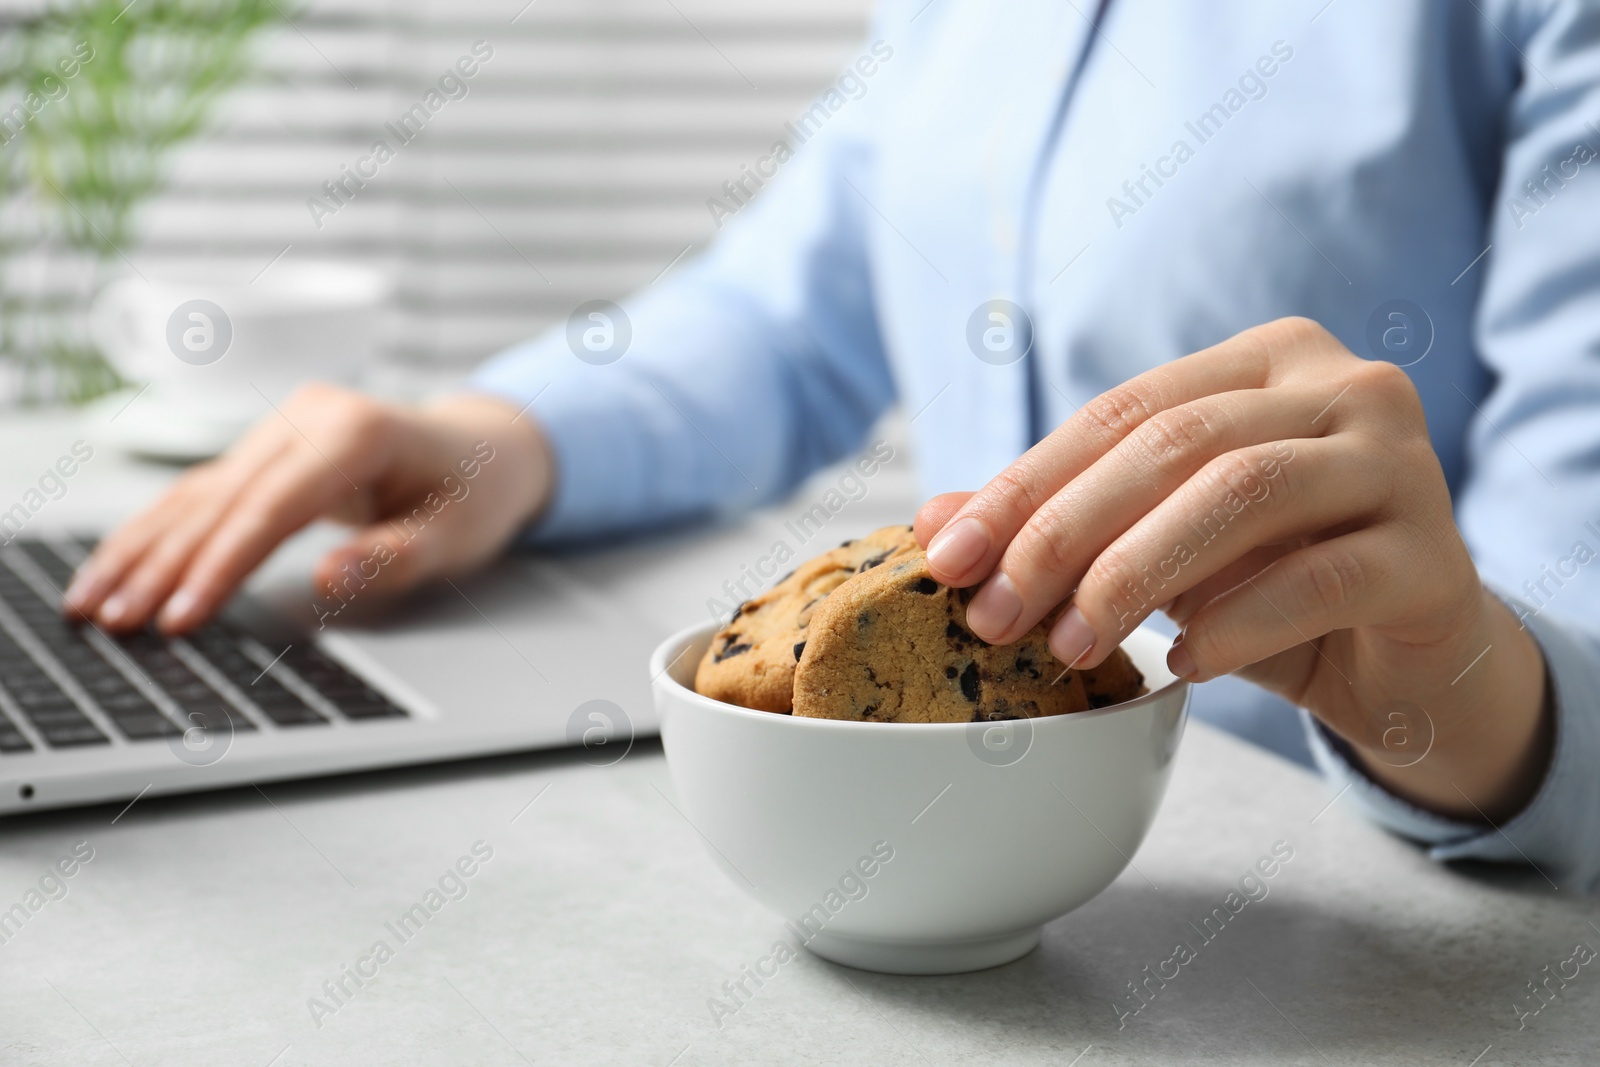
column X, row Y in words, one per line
column 661, row 678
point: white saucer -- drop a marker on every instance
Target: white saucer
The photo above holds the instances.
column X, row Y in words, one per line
column 149, row 424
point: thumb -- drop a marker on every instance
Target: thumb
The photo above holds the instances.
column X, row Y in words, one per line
column 935, row 513
column 379, row 559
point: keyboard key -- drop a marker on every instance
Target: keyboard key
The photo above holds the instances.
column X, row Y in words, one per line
column 216, row 717
column 67, row 736
column 45, row 557
column 269, row 694
column 54, row 715
column 282, row 706
column 107, row 688
column 137, row 726
column 371, row 709
column 297, row 714
column 11, row 738
column 40, row 699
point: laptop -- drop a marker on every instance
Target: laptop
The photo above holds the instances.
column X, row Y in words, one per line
column 539, row 650
column 528, row 655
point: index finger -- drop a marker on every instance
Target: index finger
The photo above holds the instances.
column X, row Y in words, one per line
column 936, row 513
column 196, row 499
column 304, row 486
column 971, row 544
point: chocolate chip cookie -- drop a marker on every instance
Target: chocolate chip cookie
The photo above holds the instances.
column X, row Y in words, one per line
column 892, row 645
column 751, row 661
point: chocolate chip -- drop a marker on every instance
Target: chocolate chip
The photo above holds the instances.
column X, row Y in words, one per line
column 847, row 544
column 867, row 565
column 1024, row 665
column 927, row 586
column 950, row 672
column 957, row 633
column 867, row 712
column 729, row 649
column 969, row 682
column 864, row 620
column 799, row 648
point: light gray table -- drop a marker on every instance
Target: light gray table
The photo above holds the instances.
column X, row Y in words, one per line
column 599, row 930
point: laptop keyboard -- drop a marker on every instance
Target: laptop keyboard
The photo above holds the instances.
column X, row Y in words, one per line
column 72, row 685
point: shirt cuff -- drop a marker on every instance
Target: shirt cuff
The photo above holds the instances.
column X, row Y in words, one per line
column 593, row 433
column 1558, row 832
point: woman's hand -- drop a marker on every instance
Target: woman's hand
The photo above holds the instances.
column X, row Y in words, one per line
column 329, row 453
column 1279, row 498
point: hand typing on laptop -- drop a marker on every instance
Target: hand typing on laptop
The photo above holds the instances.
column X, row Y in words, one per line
column 330, row 453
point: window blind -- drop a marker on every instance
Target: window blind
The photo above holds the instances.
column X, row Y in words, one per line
column 572, row 164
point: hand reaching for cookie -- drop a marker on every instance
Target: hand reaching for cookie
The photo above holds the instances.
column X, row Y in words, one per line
column 1279, row 498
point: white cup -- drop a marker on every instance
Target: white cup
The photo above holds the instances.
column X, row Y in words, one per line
column 217, row 356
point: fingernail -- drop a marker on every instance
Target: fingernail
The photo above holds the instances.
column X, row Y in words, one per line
column 958, row 547
column 85, row 586
column 340, row 558
column 1179, row 661
column 178, row 608
column 995, row 608
column 115, row 609
column 1071, row 638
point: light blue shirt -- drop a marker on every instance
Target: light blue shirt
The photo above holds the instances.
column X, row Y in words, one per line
column 1145, row 181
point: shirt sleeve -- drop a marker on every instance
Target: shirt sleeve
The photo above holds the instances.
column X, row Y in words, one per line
column 745, row 370
column 1559, row 830
column 1530, row 506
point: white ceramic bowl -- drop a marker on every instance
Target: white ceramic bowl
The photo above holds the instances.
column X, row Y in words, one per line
column 919, row 848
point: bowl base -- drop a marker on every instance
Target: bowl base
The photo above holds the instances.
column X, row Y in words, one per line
column 923, row 957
